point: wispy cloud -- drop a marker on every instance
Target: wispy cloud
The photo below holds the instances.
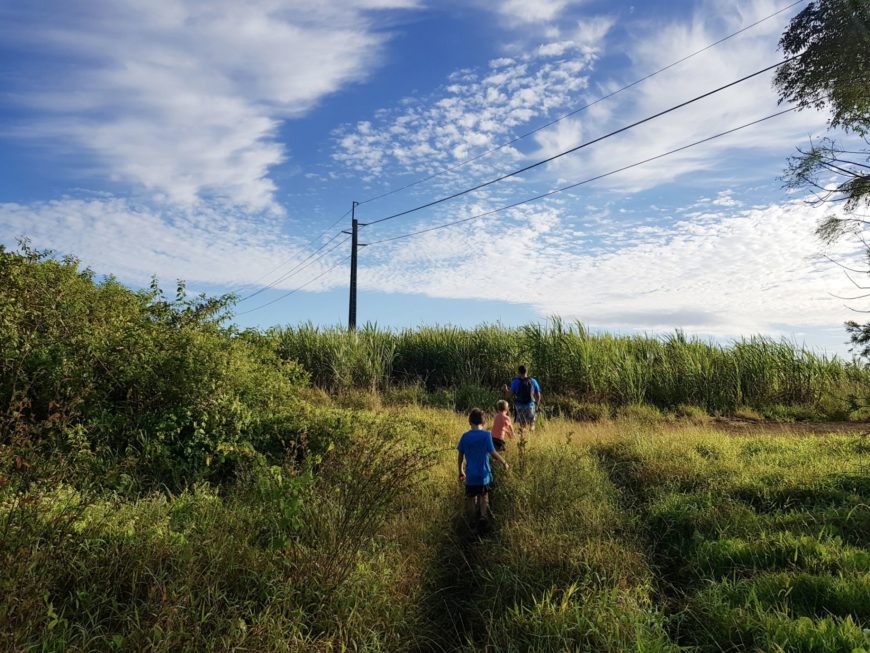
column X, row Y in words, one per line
column 654, row 45
column 475, row 110
column 523, row 12
column 183, row 99
column 203, row 245
column 723, row 271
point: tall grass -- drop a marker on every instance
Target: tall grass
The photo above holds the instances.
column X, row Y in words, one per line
column 569, row 360
column 760, row 544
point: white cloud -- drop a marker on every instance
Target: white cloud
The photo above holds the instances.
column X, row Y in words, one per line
column 652, row 46
column 591, row 31
column 726, row 198
column 725, row 272
column 183, row 98
column 476, row 110
column 586, row 38
column 556, row 49
column 532, row 11
column 482, row 110
column 564, row 135
column 200, row 245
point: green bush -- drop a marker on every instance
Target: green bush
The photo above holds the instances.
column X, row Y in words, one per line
column 96, row 372
column 860, row 415
column 748, row 413
column 641, row 413
column 583, row 411
column 470, row 396
column 692, row 414
column 413, row 394
column 284, row 558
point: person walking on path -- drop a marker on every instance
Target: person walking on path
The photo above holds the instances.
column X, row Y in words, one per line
column 475, row 447
column 527, row 396
column 501, row 425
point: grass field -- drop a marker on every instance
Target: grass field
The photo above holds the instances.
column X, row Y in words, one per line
column 170, row 484
column 624, row 535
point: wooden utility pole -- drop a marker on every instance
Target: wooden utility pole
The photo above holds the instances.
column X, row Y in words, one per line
column 354, row 244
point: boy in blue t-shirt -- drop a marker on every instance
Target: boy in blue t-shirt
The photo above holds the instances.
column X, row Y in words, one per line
column 475, row 446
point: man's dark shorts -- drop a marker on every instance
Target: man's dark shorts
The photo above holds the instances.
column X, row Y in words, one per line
column 476, row 491
column 525, row 414
column 498, row 444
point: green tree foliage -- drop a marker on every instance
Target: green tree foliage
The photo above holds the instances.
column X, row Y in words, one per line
column 830, row 43
column 860, row 334
column 831, row 39
column 96, row 372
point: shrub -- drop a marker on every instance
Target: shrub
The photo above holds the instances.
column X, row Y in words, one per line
column 583, row 411
column 94, row 371
column 469, row 396
column 641, row 413
column 693, row 414
column 860, row 415
column 413, row 394
column 745, row 412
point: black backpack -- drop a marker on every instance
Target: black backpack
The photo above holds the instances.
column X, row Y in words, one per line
column 524, row 393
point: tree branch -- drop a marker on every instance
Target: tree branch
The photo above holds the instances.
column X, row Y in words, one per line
column 845, row 267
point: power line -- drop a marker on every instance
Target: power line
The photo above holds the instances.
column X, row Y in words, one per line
column 579, row 109
column 525, row 201
column 585, row 181
column 579, row 147
column 297, row 289
column 299, row 266
column 281, row 265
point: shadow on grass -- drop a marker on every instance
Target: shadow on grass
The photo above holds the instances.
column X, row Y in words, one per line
column 454, row 604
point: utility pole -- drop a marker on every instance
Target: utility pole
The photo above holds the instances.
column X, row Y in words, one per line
column 354, row 244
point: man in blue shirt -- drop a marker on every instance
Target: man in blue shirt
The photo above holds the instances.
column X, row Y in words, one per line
column 527, row 396
column 475, row 446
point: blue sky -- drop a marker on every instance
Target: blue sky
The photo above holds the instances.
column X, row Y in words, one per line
column 216, row 142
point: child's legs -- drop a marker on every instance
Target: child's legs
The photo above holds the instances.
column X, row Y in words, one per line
column 473, row 494
column 483, row 506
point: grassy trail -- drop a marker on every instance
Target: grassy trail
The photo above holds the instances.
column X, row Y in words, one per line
column 635, row 537
column 558, row 570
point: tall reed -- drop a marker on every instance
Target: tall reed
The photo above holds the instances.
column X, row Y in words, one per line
column 568, row 359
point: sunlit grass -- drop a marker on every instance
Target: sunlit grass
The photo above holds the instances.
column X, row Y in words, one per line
column 761, row 542
column 630, row 534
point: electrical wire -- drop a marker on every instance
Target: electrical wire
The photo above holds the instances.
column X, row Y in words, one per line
column 525, row 201
column 299, row 266
column 295, row 290
column 579, row 109
column 579, row 147
column 581, row 183
column 308, row 260
column 285, row 263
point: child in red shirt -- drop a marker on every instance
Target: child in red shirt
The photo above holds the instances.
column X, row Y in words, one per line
column 501, row 426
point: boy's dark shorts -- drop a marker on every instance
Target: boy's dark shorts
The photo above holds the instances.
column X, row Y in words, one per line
column 476, row 490
column 498, row 444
